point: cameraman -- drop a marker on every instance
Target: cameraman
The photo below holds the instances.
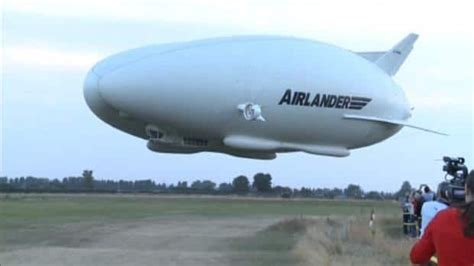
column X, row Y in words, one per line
column 450, row 235
column 431, row 208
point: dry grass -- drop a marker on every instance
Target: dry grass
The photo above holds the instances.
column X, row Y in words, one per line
column 346, row 241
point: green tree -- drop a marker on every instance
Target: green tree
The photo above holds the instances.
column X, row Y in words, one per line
column 225, row 188
column 353, row 191
column 205, row 186
column 143, row 185
column 181, row 187
column 373, row 195
column 241, row 184
column 262, row 182
column 335, row 192
column 285, row 192
column 88, row 179
column 405, row 190
column 306, row 192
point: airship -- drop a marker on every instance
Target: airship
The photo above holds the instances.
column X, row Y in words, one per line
column 252, row 96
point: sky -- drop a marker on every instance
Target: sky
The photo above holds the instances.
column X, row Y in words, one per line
column 48, row 47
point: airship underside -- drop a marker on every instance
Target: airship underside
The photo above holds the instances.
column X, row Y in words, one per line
column 252, row 96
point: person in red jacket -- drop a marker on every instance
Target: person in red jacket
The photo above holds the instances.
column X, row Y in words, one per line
column 450, row 235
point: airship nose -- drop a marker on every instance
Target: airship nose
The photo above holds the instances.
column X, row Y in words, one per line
column 95, row 100
column 124, row 90
column 90, row 85
column 102, row 107
column 92, row 94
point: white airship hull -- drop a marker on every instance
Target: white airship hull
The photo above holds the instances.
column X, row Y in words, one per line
column 191, row 97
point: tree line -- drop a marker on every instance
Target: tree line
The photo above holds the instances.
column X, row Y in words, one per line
column 261, row 185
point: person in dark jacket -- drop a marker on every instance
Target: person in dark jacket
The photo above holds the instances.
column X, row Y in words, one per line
column 450, row 235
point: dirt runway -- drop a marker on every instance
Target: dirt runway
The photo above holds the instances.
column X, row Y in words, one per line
column 180, row 240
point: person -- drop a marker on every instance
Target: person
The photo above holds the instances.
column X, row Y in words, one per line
column 372, row 221
column 450, row 235
column 407, row 214
column 428, row 195
column 417, row 204
column 431, row 208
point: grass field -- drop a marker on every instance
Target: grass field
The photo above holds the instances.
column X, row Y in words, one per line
column 40, row 229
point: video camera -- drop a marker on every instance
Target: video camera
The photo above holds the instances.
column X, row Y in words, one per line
column 455, row 168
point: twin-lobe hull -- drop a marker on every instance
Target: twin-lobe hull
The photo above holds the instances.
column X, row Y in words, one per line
column 188, row 97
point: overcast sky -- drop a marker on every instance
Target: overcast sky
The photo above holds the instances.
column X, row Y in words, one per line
column 48, row 46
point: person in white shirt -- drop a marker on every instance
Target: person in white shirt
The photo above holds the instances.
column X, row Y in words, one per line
column 431, row 208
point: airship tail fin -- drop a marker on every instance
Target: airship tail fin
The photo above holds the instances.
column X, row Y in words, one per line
column 391, row 60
